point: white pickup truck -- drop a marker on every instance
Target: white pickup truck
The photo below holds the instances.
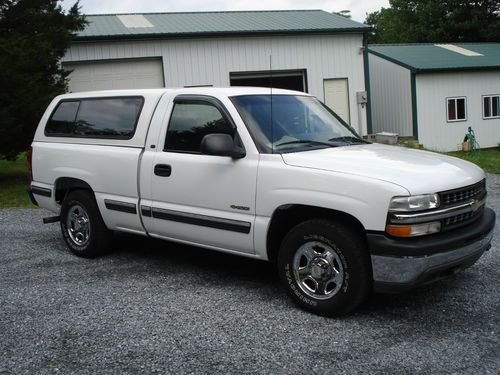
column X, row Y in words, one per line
column 273, row 177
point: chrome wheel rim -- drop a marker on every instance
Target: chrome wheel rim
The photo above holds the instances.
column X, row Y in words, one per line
column 78, row 225
column 318, row 270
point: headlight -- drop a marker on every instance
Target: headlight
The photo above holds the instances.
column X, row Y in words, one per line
column 414, row 203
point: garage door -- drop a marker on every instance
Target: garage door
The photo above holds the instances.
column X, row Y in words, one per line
column 290, row 80
column 337, row 97
column 109, row 75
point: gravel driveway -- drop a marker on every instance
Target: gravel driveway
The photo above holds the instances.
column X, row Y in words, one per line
column 159, row 307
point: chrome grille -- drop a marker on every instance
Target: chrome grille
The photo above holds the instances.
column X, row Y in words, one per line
column 456, row 196
column 462, row 219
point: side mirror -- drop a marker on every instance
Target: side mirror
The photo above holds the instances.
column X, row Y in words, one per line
column 221, row 145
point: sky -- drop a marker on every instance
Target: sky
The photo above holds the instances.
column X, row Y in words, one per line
column 358, row 8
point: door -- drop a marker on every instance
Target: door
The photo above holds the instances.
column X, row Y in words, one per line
column 337, row 97
column 196, row 198
column 122, row 74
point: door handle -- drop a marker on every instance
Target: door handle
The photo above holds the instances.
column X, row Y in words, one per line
column 163, row 170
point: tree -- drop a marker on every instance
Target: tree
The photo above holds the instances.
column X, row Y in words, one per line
column 34, row 35
column 435, row 21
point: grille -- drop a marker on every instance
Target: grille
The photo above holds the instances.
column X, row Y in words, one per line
column 456, row 196
column 457, row 219
column 462, row 219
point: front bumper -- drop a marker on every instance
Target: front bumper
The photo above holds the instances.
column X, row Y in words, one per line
column 403, row 264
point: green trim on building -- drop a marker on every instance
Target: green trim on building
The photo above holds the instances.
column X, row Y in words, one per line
column 414, row 111
column 366, row 64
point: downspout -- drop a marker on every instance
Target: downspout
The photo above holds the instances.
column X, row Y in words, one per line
column 369, row 127
column 414, row 113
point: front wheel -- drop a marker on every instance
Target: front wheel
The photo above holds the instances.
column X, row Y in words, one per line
column 82, row 226
column 325, row 267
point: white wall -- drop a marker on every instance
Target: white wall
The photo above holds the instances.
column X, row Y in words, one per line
column 209, row 61
column 433, row 89
column 390, row 88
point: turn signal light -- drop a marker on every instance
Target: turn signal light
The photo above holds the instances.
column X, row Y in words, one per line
column 413, row 230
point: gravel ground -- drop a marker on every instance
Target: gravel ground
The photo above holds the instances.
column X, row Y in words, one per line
column 159, row 307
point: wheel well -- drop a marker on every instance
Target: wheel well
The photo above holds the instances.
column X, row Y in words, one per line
column 286, row 217
column 65, row 185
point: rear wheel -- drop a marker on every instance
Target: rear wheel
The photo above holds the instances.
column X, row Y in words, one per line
column 325, row 267
column 82, row 226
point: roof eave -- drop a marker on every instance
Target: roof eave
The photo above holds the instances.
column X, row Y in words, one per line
column 95, row 38
column 413, row 69
column 459, row 69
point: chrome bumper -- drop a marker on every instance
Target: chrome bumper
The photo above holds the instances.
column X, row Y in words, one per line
column 412, row 270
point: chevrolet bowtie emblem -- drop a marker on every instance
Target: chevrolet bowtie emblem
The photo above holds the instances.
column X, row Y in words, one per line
column 475, row 204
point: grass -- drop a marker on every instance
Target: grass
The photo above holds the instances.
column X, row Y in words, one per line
column 488, row 159
column 14, row 180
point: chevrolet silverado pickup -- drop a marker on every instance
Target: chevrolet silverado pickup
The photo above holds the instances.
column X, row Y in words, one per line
column 272, row 176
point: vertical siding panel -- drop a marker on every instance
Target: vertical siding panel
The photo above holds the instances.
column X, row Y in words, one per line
column 391, row 97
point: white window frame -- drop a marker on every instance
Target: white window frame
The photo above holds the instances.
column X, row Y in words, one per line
column 456, row 112
column 491, row 106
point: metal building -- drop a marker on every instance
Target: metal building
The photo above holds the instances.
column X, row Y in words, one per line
column 435, row 92
column 312, row 51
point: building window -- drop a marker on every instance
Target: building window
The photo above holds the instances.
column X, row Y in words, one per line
column 456, row 109
column 491, row 106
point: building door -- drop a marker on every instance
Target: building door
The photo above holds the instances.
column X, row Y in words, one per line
column 115, row 74
column 337, row 97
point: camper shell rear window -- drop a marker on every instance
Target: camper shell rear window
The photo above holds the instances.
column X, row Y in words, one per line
column 109, row 117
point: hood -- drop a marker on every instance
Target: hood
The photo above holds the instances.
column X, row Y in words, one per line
column 419, row 172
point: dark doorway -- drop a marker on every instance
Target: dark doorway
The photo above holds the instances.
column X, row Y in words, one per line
column 290, row 80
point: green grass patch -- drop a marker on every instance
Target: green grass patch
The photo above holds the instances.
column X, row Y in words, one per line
column 14, row 180
column 488, row 159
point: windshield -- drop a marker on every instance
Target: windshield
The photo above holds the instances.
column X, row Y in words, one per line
column 298, row 123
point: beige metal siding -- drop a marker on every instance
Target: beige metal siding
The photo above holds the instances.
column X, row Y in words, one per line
column 390, row 86
column 433, row 89
column 209, row 61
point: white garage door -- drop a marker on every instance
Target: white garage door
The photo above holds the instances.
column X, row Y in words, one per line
column 109, row 75
column 337, row 97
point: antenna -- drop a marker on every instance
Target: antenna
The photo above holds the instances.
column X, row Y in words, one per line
column 271, row 84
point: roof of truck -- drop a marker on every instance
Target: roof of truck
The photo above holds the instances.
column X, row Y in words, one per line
column 215, row 91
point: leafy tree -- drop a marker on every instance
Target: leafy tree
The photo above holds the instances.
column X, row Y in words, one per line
column 34, row 35
column 435, row 21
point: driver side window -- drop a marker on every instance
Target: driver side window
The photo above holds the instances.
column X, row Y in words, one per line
column 190, row 122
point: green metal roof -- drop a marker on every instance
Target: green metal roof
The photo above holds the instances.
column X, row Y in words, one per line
column 199, row 24
column 433, row 57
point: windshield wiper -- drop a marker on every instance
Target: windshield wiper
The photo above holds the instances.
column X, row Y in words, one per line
column 306, row 141
column 349, row 140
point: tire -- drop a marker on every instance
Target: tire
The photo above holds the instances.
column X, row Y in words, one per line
column 325, row 267
column 82, row 226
